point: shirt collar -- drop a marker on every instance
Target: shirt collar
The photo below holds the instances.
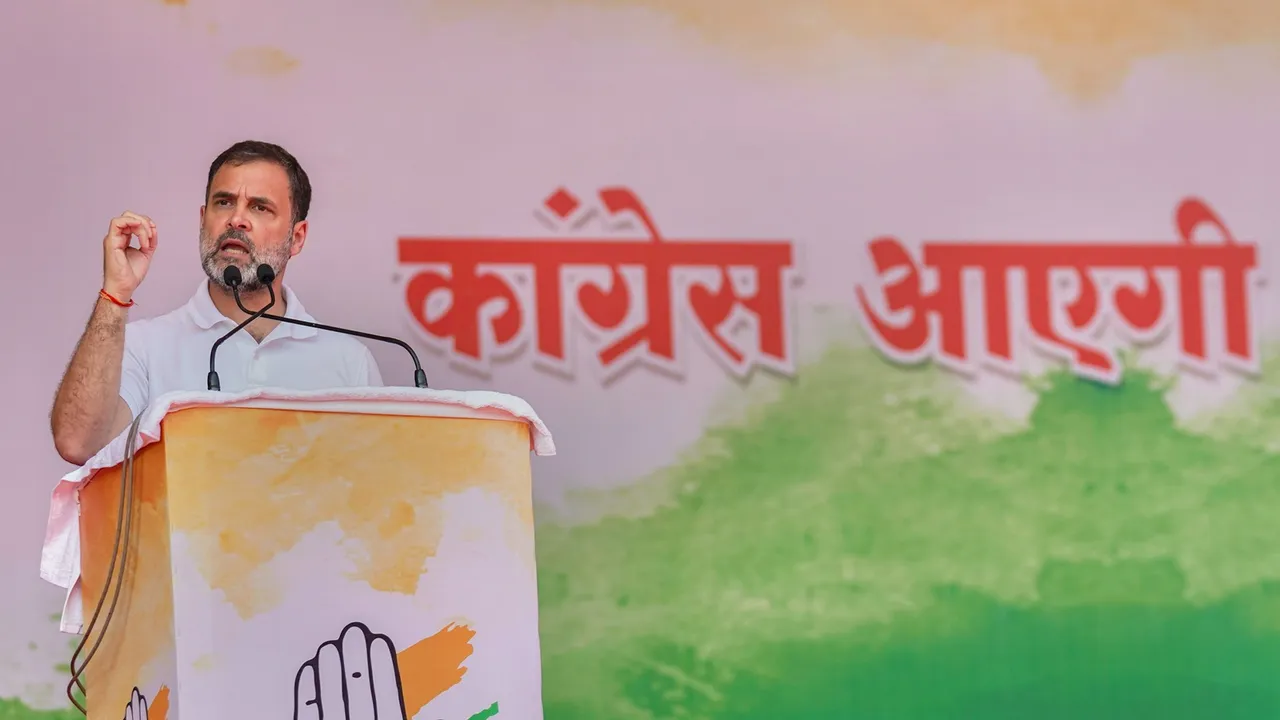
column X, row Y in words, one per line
column 206, row 315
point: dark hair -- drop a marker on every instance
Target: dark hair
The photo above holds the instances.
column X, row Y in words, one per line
column 248, row 151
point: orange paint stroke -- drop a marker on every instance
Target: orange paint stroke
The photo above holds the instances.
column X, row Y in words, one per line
column 433, row 665
column 159, row 708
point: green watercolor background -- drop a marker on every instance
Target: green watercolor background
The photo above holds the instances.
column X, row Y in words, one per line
column 870, row 544
column 15, row 709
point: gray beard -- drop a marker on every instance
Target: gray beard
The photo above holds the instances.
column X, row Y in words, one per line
column 249, row 283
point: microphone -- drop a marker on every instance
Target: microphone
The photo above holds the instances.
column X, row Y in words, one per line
column 232, row 277
column 266, row 275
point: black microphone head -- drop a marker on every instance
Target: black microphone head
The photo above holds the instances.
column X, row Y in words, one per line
column 231, row 276
column 266, row 275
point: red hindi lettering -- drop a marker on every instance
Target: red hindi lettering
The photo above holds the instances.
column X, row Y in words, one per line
column 1142, row 310
column 769, row 263
column 907, row 341
column 469, row 291
column 1237, row 263
column 911, row 339
column 1060, row 330
column 1086, row 359
column 608, row 309
column 950, row 261
column 907, row 333
column 549, row 310
column 659, row 257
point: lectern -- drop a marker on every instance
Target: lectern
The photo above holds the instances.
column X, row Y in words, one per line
column 349, row 554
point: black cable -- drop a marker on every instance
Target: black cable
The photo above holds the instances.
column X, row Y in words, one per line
column 266, row 275
column 214, row 383
column 124, row 526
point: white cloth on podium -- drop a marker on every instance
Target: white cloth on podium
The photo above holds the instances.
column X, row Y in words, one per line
column 60, row 558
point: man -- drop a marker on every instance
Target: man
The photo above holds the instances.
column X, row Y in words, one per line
column 256, row 202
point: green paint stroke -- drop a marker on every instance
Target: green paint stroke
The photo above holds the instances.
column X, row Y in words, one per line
column 870, row 545
column 16, row 710
column 486, row 713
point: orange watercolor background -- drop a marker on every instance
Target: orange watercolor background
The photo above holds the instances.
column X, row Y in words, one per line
column 263, row 61
column 382, row 479
column 1084, row 48
column 141, row 629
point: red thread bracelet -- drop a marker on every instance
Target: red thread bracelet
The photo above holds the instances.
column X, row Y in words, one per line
column 108, row 296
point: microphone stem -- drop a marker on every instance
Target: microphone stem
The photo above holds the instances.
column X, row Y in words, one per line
column 419, row 375
column 214, row 383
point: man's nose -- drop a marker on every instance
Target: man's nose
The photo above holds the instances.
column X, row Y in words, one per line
column 239, row 219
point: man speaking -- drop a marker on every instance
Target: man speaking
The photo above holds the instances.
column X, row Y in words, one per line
column 255, row 212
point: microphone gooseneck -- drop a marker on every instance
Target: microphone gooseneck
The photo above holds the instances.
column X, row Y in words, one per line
column 232, row 277
column 266, row 275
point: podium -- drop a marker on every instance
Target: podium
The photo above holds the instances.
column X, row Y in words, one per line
column 349, row 554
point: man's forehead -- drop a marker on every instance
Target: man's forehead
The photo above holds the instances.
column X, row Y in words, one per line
column 252, row 178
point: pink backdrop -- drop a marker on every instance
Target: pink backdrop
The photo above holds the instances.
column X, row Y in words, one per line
column 422, row 118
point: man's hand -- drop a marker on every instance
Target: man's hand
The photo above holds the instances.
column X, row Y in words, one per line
column 354, row 677
column 124, row 266
column 137, row 707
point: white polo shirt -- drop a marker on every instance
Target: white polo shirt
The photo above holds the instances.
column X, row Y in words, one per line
column 171, row 352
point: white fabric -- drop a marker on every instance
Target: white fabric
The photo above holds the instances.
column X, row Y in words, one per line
column 60, row 559
column 171, row 352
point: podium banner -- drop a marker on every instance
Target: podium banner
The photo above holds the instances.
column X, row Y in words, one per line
column 320, row 554
column 434, row 515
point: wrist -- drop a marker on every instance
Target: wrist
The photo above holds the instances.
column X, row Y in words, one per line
column 116, row 297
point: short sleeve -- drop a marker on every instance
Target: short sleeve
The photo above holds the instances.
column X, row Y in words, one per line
column 372, row 376
column 134, row 387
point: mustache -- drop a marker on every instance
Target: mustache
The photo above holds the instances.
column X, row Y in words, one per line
column 237, row 235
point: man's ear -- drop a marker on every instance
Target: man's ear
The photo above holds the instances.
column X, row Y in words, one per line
column 299, row 237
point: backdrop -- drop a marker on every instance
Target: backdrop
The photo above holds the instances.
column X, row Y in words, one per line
column 836, row 439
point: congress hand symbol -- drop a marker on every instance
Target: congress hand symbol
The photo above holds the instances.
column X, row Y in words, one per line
column 352, row 678
column 137, row 707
